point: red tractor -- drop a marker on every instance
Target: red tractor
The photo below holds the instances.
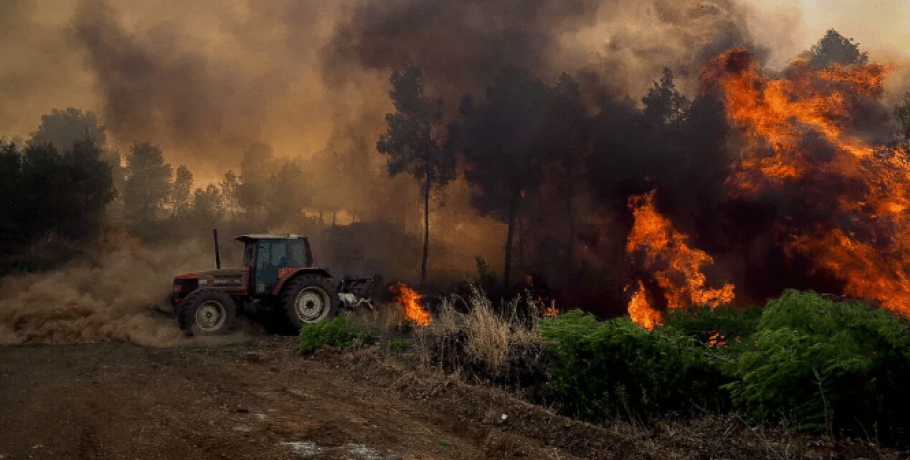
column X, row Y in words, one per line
column 277, row 275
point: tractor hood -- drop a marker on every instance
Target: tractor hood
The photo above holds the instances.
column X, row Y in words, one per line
column 224, row 277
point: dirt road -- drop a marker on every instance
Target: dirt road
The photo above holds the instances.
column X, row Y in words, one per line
column 259, row 400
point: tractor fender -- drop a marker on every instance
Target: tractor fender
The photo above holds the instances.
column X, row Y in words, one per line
column 297, row 272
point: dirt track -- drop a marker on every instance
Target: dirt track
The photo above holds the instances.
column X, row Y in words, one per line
column 252, row 401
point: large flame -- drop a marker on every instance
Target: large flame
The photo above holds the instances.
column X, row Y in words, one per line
column 799, row 131
column 409, row 300
column 663, row 252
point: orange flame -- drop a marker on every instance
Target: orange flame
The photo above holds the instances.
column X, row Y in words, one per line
column 867, row 243
column 409, row 300
column 717, row 340
column 549, row 311
column 777, row 114
column 675, row 266
column 641, row 311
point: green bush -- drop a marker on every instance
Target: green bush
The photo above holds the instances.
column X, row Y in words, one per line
column 338, row 332
column 825, row 365
column 615, row 369
column 398, row 343
column 733, row 329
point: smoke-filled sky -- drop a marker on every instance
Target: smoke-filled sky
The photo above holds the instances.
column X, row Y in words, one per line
column 205, row 79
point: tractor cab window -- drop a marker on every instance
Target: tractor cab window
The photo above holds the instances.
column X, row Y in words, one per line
column 279, row 254
column 298, row 253
column 274, row 255
column 268, row 258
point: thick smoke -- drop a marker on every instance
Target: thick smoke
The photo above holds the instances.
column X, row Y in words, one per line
column 156, row 86
column 310, row 78
column 462, row 45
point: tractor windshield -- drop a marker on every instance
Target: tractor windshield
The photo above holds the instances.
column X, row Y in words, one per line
column 273, row 256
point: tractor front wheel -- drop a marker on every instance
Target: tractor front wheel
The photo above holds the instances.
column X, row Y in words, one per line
column 309, row 299
column 208, row 312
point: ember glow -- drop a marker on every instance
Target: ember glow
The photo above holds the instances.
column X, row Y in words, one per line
column 549, row 311
column 663, row 253
column 801, row 132
column 409, row 300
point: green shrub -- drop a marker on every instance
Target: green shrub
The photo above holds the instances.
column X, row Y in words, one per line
column 732, row 331
column 338, row 332
column 824, row 365
column 398, row 342
column 615, row 369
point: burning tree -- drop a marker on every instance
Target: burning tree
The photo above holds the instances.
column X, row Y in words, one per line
column 414, row 145
column 803, row 130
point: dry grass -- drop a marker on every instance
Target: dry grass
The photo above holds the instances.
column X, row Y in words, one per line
column 482, row 334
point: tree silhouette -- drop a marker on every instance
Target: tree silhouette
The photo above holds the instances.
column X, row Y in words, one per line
column 504, row 142
column 208, row 206
column 230, row 190
column 147, row 185
column 413, row 144
column 834, row 48
column 254, row 177
column 663, row 103
column 567, row 144
column 63, row 128
column 56, row 194
column 89, row 189
column 287, row 193
column 10, row 210
column 181, row 192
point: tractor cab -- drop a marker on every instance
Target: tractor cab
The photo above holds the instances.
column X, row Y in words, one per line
column 270, row 258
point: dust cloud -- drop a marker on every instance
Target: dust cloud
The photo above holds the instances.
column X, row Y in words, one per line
column 102, row 301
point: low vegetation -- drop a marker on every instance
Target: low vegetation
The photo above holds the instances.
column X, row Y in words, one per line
column 807, row 362
column 488, row 344
column 338, row 332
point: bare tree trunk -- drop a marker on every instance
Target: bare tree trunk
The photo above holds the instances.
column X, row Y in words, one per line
column 513, row 213
column 426, row 228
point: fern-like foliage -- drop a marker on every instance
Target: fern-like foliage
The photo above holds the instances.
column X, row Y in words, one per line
column 827, row 366
column 615, row 369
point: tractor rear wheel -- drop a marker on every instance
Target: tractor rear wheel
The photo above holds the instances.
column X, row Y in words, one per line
column 309, row 299
column 208, row 312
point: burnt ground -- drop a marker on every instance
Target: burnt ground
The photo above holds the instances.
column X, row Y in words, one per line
column 264, row 400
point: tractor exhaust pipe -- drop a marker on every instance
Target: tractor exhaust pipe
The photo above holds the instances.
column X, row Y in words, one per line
column 217, row 251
